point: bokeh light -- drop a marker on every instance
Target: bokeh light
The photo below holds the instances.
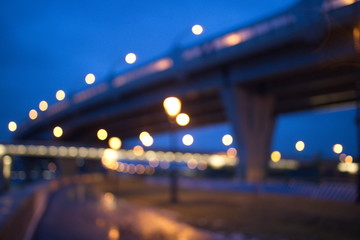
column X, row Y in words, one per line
column 57, row 131
column 231, row 152
column 60, row 95
column 138, row 150
column 187, row 140
column 216, row 161
column 147, row 140
column 102, row 134
column 143, row 135
column 90, row 78
column 275, row 156
column 115, row 143
column 43, row 105
column 342, row 157
column 300, row 146
column 227, row 139
column 197, row 29
column 337, row 148
column 348, row 159
column 172, row 106
column 12, row 126
column 130, row 58
column 33, row 114
column 182, row 119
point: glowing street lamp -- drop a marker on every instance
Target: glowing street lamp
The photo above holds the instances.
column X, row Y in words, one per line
column 227, row 139
column 102, row 134
column 275, row 156
column 57, row 131
column 130, row 58
column 12, row 126
column 33, row 114
column 197, row 29
column 337, row 148
column 172, row 106
column 115, row 143
column 90, row 78
column 187, row 140
column 60, row 95
column 43, row 106
column 182, row 119
column 300, row 146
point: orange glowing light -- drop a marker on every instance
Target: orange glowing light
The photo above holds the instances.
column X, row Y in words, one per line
column 232, row 39
column 57, row 131
column 33, row 114
column 102, row 134
column 115, row 143
column 275, row 156
column 172, row 106
column 231, row 152
column 43, row 106
column 138, row 150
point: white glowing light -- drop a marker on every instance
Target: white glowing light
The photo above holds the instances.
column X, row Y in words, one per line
column 130, row 58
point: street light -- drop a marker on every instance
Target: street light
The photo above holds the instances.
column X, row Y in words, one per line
column 130, row 58
column 172, row 106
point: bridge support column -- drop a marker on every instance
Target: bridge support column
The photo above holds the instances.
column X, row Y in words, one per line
column 252, row 117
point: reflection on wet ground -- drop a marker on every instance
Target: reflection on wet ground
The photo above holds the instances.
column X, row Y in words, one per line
column 87, row 212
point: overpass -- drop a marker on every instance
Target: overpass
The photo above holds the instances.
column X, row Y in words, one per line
column 303, row 58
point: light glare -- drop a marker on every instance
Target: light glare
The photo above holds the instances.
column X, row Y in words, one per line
column 337, row 148
column 227, row 139
column 182, row 119
column 300, row 145
column 115, row 143
column 58, row 132
column 147, row 141
column 60, row 95
column 275, row 156
column 348, row 159
column 130, row 58
column 43, row 106
column 172, row 106
column 187, row 140
column 12, row 126
column 102, row 134
column 33, row 114
column 90, row 78
column 197, row 29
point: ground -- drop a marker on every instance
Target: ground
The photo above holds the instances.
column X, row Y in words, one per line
column 261, row 216
column 133, row 209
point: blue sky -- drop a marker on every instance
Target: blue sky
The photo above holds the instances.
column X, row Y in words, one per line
column 50, row 45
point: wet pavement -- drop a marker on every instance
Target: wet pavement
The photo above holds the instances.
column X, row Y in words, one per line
column 86, row 212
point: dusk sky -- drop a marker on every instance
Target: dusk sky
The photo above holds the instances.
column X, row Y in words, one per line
column 50, row 45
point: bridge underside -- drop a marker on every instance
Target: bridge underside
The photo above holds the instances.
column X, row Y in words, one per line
column 300, row 68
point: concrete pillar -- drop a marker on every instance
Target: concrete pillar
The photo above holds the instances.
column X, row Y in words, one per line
column 251, row 115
